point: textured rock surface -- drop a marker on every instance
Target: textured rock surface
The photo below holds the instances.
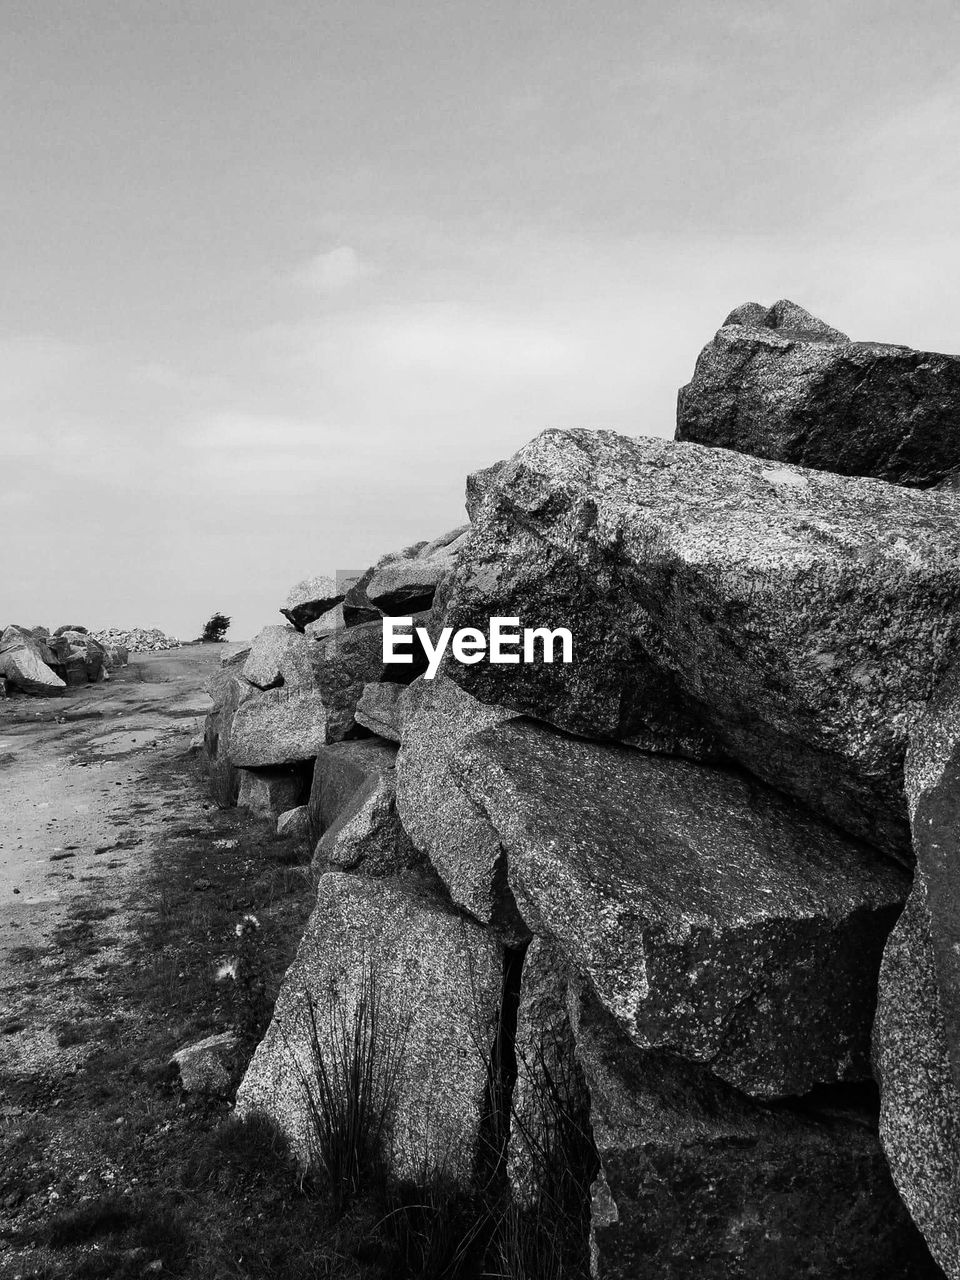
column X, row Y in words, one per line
column 343, row 773
column 438, row 975
column 273, row 790
column 367, row 835
column 294, row 823
column 278, row 726
column 310, row 599
column 22, row 664
column 800, row 619
column 698, row 1182
column 782, row 385
column 441, row 819
column 382, row 709
column 406, row 581
column 207, row 1066
column 920, row 1100
column 226, row 689
column 280, row 656
column 347, row 661
column 714, row 918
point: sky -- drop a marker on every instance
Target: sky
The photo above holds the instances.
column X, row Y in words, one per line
column 275, row 277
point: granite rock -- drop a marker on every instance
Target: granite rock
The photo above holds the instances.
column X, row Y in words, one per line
column 783, row 385
column 714, row 918
column 278, row 726
column 790, row 619
column 310, row 599
column 405, row 582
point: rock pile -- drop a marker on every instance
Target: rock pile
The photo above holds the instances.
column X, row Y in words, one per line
column 650, row 896
column 36, row 662
column 137, row 639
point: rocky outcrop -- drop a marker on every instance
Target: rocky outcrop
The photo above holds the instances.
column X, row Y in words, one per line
column 720, row 606
column 22, row 663
column 622, row 918
column 780, row 384
column 712, row 918
column 272, row 791
column 432, row 986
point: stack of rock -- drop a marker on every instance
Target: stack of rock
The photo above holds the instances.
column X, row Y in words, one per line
column 137, row 639
column 36, row 662
column 676, row 865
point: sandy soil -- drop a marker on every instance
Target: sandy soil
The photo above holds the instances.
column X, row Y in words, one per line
column 75, row 817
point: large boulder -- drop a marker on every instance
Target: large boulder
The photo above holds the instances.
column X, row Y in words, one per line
column 280, row 656
column 278, row 726
column 82, row 656
column 432, row 983
column 22, row 663
column 697, row 1180
column 920, row 1100
column 405, row 582
column 311, row 598
column 441, row 819
column 227, row 690
column 382, row 708
column 714, row 918
column 781, row 384
column 795, row 620
column 345, row 774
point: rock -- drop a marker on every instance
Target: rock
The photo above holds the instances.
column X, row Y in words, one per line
column 273, row 790
column 367, row 836
column 280, row 656
column 795, row 620
column 329, row 622
column 3, row 687
column 714, row 919
column 405, row 582
column 442, row 820
column 698, row 1181
column 62, row 630
column 920, row 1101
column 437, row 991
column 295, row 823
column 278, row 726
column 382, row 709
column 136, row 639
column 783, row 385
column 310, row 599
column 551, row 1156
column 348, row 661
column 22, row 665
column 223, row 774
column 357, row 606
column 932, row 783
column 479, row 484
column 344, row 773
column 207, row 1066
column 82, row 655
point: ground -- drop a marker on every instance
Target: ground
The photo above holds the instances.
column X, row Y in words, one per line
column 121, row 885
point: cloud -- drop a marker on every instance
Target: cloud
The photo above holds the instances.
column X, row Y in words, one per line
column 333, row 272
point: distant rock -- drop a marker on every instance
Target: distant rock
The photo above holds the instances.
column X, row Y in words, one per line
column 310, row 599
column 713, row 918
column 136, row 639
column 781, row 384
column 793, row 620
column 437, row 990
column 22, row 664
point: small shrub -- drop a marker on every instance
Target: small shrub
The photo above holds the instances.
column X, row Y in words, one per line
column 215, row 628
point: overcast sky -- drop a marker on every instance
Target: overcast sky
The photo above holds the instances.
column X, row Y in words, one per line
column 275, row 276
